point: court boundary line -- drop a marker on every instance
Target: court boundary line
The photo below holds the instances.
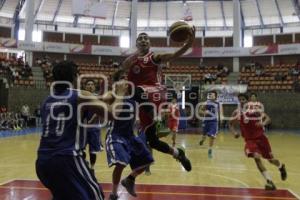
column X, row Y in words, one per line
column 8, row 181
column 171, row 184
column 156, row 184
column 293, row 193
column 171, row 193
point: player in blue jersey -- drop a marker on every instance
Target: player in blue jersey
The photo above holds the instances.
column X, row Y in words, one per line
column 60, row 165
column 210, row 111
column 124, row 148
column 93, row 134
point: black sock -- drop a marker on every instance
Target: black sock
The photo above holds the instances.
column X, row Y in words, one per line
column 93, row 158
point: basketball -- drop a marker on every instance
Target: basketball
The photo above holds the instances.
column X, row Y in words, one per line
column 179, row 31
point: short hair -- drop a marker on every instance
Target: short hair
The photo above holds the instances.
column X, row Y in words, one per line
column 143, row 33
column 213, row 91
column 246, row 96
column 90, row 80
column 64, row 71
column 253, row 93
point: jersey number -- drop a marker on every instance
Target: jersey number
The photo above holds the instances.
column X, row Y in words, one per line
column 59, row 125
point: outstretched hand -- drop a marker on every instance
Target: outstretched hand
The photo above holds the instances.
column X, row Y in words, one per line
column 121, row 88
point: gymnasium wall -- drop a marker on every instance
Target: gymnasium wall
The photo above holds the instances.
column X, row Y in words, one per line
column 3, row 93
column 20, row 96
column 283, row 108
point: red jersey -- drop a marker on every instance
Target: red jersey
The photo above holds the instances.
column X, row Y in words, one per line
column 248, row 125
column 174, row 112
column 145, row 71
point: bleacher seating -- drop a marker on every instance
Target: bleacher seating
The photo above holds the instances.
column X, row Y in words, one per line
column 268, row 81
column 16, row 72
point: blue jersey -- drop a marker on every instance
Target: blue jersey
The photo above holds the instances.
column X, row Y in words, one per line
column 213, row 108
column 125, row 127
column 61, row 134
column 91, row 135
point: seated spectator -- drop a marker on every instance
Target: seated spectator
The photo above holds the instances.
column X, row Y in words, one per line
column 296, row 86
column 294, row 71
column 280, row 77
column 223, row 71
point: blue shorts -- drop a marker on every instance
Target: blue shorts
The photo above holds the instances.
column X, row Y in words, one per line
column 68, row 177
column 210, row 128
column 93, row 139
column 124, row 151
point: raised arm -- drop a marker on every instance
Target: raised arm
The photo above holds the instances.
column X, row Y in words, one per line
column 159, row 58
column 129, row 61
column 108, row 104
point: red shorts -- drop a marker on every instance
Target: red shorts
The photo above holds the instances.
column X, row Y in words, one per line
column 261, row 146
column 173, row 125
column 155, row 94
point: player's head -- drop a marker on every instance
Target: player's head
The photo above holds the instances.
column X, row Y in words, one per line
column 212, row 95
column 64, row 71
column 253, row 97
column 243, row 98
column 143, row 42
column 90, row 86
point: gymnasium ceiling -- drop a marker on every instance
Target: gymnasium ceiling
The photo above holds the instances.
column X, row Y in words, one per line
column 209, row 14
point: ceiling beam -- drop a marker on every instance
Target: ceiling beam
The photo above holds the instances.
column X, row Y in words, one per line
column 149, row 13
column 2, row 3
column 18, row 9
column 38, row 8
column 279, row 13
column 167, row 14
column 242, row 17
column 115, row 13
column 223, row 13
column 260, row 16
column 205, row 13
column 56, row 10
column 297, row 8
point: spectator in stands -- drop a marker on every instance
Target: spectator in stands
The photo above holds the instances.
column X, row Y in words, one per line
column 208, row 78
column 3, row 109
column 280, row 76
column 223, row 71
column 259, row 69
column 294, row 72
column 218, row 81
column 296, row 86
column 25, row 113
column 37, row 113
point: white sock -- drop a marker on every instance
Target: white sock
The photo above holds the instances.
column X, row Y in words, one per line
column 266, row 175
column 175, row 152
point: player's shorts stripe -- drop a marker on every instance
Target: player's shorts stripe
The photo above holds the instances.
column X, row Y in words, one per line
column 84, row 134
column 97, row 196
column 93, row 181
column 77, row 138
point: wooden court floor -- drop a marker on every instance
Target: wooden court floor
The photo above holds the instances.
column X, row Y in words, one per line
column 228, row 168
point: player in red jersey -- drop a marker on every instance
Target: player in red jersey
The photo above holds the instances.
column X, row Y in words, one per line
column 173, row 119
column 252, row 122
column 145, row 73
